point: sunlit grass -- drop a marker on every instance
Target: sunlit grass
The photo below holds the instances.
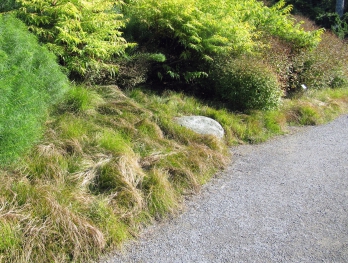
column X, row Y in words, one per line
column 114, row 162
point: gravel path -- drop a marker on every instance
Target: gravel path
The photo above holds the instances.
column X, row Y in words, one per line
column 282, row 201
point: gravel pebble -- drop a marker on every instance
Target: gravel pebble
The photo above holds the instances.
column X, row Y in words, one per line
column 282, row 201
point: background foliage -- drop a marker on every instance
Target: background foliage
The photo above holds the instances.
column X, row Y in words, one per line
column 323, row 13
column 177, row 40
column 320, row 68
column 194, row 35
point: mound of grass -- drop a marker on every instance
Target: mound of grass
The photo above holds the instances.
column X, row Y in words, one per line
column 107, row 164
column 111, row 161
column 30, row 82
column 104, row 170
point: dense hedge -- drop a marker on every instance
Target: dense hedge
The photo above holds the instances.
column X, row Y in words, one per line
column 30, row 81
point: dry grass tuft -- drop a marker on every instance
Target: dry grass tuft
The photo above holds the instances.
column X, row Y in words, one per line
column 89, row 170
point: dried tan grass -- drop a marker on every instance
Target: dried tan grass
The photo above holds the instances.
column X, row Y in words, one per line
column 132, row 175
column 153, row 158
column 49, row 163
column 89, row 170
column 50, row 226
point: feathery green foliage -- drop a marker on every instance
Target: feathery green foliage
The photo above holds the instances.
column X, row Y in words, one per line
column 85, row 35
column 30, row 81
column 191, row 33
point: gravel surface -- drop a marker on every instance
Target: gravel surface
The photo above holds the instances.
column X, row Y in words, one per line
column 282, row 201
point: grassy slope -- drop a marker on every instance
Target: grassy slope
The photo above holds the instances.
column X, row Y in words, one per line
column 111, row 162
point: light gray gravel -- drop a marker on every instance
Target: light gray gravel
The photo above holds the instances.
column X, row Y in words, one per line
column 282, row 201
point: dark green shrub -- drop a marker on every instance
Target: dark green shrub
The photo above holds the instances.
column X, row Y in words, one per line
column 311, row 9
column 30, row 81
column 323, row 13
column 246, row 83
column 327, row 19
column 7, row 5
column 332, row 21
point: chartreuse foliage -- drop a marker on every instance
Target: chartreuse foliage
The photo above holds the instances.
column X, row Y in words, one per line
column 30, row 81
column 84, row 34
column 191, row 33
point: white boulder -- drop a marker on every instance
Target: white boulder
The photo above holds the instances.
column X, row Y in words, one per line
column 201, row 125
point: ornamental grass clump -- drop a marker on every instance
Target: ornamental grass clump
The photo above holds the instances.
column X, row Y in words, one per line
column 30, row 82
column 100, row 173
column 107, row 165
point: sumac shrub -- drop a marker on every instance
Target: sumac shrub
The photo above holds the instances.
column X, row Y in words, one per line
column 85, row 35
column 245, row 84
column 30, row 81
column 192, row 33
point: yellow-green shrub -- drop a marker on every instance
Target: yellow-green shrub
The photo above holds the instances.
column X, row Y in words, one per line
column 85, row 35
column 192, row 33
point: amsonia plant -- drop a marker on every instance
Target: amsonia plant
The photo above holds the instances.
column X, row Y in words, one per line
column 30, row 82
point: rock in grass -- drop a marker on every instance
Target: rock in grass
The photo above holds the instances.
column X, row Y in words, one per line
column 201, row 125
